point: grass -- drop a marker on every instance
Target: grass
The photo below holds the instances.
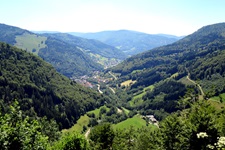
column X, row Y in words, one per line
column 151, row 87
column 127, row 83
column 83, row 121
column 174, row 75
column 217, row 104
column 126, row 111
column 135, row 71
column 185, row 81
column 217, row 98
column 96, row 111
column 136, row 122
column 137, row 99
column 29, row 42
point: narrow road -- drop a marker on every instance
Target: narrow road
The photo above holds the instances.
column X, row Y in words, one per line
column 87, row 133
column 112, row 90
column 200, row 88
column 113, row 75
column 99, row 89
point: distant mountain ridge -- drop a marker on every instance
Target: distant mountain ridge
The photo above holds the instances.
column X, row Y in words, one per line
column 130, row 42
column 67, row 57
column 166, row 69
column 89, row 45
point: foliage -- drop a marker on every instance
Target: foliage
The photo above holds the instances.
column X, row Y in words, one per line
column 71, row 141
column 200, row 55
column 40, row 90
column 102, row 136
column 124, row 139
column 90, row 45
column 73, row 62
column 195, row 129
column 22, row 133
column 64, row 56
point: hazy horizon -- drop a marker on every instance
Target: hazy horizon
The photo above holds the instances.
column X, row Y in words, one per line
column 175, row 17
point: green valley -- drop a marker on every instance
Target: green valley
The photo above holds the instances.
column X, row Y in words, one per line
column 170, row 97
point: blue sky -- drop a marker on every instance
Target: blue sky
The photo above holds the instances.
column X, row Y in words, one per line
column 177, row 17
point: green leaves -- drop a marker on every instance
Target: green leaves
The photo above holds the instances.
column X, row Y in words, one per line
column 195, row 128
column 71, row 141
column 102, row 136
column 17, row 132
column 41, row 90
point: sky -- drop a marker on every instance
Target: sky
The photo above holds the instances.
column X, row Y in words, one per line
column 175, row 17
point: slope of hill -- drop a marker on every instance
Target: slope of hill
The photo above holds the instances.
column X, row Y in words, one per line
column 90, row 46
column 66, row 58
column 40, row 90
column 130, row 42
column 200, row 54
column 102, row 53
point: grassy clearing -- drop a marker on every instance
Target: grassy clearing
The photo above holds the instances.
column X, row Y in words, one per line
column 185, row 81
column 218, row 98
column 84, row 120
column 96, row 111
column 151, row 87
column 126, row 111
column 101, row 60
column 218, row 101
column 127, row 83
column 136, row 71
column 217, row 104
column 30, row 42
column 137, row 99
column 174, row 75
column 136, row 122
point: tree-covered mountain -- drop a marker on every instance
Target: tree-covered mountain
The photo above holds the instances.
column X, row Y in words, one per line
column 200, row 56
column 90, row 45
column 130, row 42
column 40, row 90
column 65, row 57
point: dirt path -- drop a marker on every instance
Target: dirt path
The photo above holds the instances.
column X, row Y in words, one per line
column 99, row 89
column 200, row 88
column 113, row 75
column 112, row 90
column 87, row 133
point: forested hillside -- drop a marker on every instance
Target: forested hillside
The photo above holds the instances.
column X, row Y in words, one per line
column 130, row 42
column 40, row 90
column 200, row 56
column 90, row 45
column 206, row 43
column 65, row 57
column 175, row 84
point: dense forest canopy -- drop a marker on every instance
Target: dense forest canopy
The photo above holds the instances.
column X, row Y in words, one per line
column 40, row 90
column 199, row 56
column 181, row 85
